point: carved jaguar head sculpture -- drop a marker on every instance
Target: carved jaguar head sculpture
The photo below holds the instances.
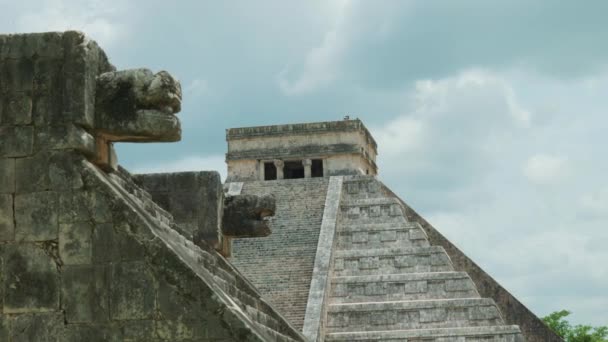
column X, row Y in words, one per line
column 135, row 105
column 247, row 215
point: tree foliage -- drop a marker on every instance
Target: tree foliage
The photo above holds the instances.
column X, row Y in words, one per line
column 577, row 333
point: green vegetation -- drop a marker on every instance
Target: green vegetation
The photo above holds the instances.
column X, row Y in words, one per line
column 578, row 333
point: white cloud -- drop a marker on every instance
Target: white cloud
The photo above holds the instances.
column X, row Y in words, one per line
column 463, row 155
column 455, row 129
column 94, row 17
column 192, row 163
column 319, row 67
column 400, row 135
column 595, row 203
column 545, row 169
column 196, row 87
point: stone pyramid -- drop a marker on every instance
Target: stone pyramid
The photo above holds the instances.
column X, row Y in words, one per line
column 348, row 260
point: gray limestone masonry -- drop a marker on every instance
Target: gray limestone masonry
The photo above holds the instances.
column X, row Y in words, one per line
column 513, row 311
column 281, row 264
column 315, row 307
column 85, row 252
column 387, row 283
column 193, row 198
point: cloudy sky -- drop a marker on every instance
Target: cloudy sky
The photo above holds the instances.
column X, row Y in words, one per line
column 490, row 116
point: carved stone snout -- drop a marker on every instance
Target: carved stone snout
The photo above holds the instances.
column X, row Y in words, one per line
column 138, row 105
column 247, row 215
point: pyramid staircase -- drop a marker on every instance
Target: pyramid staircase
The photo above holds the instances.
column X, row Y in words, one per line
column 389, row 284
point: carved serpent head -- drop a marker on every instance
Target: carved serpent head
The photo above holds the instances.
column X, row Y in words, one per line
column 137, row 105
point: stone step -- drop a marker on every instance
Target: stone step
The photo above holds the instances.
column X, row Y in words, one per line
column 499, row 333
column 377, row 209
column 393, row 287
column 140, row 196
column 362, row 187
column 354, row 236
column 365, row 202
column 352, row 262
column 355, row 226
column 364, row 219
column 421, row 314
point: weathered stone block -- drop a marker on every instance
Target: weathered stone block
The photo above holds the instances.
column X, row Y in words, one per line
column 84, row 62
column 2, row 248
column 483, row 313
column 353, row 212
column 457, row 285
column 36, row 216
column 3, row 326
column 63, row 171
column 17, row 141
column 32, row 173
column 132, row 295
column 7, row 175
column 105, row 247
column 7, row 224
column 138, row 330
column 75, row 246
column 395, row 210
column 64, row 137
column 48, row 77
column 175, row 330
column 173, row 303
column 352, row 188
column 193, row 198
column 92, row 333
column 50, row 170
column 388, row 235
column 375, row 211
column 126, row 247
column 85, row 294
column 31, row 279
column 17, row 75
column 73, row 207
column 99, row 207
column 16, row 109
column 46, row 109
column 43, row 327
column 47, row 44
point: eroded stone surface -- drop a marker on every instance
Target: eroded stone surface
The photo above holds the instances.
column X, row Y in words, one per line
column 132, row 295
column 7, row 224
column 17, row 141
column 44, row 327
column 7, row 175
column 48, row 170
column 85, row 293
column 31, row 279
column 75, row 243
column 36, row 216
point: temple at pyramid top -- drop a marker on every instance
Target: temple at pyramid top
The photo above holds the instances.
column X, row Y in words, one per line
column 305, row 150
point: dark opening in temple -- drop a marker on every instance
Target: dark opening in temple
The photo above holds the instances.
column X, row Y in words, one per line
column 316, row 169
column 270, row 171
column 293, row 169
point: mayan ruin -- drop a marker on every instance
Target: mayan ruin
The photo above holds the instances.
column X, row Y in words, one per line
column 302, row 242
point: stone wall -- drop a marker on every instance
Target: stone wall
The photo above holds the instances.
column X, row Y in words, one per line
column 281, row 265
column 86, row 255
column 195, row 199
